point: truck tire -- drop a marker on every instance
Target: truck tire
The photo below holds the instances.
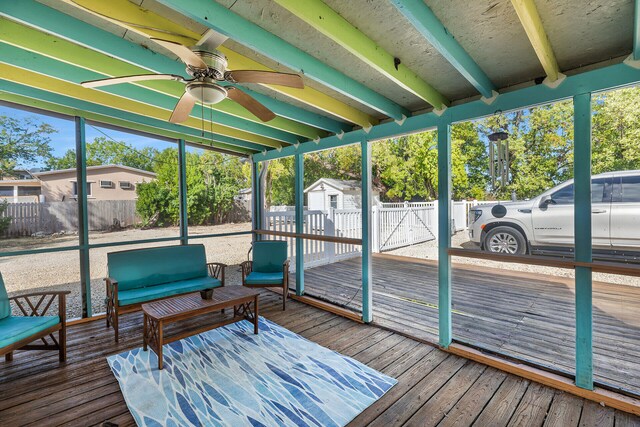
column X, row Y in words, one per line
column 505, row 240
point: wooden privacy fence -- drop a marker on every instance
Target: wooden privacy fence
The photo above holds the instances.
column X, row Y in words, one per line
column 54, row 217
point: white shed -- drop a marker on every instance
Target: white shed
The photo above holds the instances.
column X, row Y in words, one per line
column 328, row 193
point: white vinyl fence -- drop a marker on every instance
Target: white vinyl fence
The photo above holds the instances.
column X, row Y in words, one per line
column 394, row 225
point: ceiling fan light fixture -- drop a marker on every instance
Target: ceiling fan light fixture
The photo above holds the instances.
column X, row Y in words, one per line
column 207, row 93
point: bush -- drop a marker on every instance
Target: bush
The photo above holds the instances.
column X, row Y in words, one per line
column 5, row 221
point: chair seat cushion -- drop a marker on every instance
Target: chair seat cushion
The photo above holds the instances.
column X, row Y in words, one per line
column 259, row 278
column 17, row 328
column 135, row 296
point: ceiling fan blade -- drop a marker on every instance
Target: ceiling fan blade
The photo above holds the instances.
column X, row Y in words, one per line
column 129, row 79
column 183, row 52
column 250, row 103
column 266, row 77
column 183, row 108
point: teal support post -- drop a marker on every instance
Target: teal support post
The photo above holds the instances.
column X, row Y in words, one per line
column 182, row 170
column 256, row 199
column 299, row 184
column 444, row 231
column 83, row 217
column 582, row 232
column 367, row 292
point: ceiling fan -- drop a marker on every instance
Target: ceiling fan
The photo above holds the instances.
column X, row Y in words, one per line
column 207, row 66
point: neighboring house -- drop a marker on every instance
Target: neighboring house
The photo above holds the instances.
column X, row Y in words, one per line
column 327, row 193
column 107, row 182
column 19, row 186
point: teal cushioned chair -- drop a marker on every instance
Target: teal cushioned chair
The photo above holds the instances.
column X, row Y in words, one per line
column 269, row 268
column 20, row 332
column 142, row 275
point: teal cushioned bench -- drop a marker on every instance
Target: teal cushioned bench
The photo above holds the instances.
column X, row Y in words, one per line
column 19, row 332
column 141, row 275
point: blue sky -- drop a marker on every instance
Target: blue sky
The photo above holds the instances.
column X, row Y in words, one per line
column 65, row 138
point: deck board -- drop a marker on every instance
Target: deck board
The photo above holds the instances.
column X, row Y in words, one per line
column 522, row 315
column 433, row 387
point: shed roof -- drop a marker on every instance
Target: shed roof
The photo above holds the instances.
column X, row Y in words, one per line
column 338, row 184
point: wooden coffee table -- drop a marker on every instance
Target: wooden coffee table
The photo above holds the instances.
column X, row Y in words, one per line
column 158, row 313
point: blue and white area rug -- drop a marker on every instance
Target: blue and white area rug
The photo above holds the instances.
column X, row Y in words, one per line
column 231, row 377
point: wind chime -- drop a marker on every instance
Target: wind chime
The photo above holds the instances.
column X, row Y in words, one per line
column 499, row 158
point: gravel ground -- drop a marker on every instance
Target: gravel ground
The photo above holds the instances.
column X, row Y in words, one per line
column 60, row 270
column 429, row 250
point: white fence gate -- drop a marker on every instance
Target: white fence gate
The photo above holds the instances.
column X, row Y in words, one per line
column 395, row 227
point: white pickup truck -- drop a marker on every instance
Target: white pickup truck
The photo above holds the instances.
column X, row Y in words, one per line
column 544, row 224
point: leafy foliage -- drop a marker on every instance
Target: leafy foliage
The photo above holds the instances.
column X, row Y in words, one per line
column 23, row 142
column 103, row 151
column 213, row 180
column 405, row 168
column 5, row 221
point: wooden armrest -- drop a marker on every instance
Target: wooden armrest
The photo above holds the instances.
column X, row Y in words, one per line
column 217, row 270
column 111, row 281
column 285, row 265
column 40, row 294
column 31, row 308
column 247, row 267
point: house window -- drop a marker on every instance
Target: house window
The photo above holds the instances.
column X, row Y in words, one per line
column 333, row 201
column 125, row 185
column 75, row 189
column 28, row 191
column 6, row 191
column 106, row 184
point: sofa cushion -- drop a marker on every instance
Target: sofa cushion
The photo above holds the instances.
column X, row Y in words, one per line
column 140, row 268
column 17, row 328
column 5, row 306
column 268, row 256
column 257, row 278
column 135, row 296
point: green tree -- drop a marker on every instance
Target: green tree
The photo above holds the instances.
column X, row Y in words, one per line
column 103, row 151
column 22, row 142
column 213, row 180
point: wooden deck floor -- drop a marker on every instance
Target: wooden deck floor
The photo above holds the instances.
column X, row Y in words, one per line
column 518, row 314
column 434, row 388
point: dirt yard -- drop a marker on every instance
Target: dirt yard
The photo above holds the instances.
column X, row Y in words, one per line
column 60, row 270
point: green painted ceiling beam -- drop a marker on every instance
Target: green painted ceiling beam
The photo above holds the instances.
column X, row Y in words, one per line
column 49, row 101
column 61, row 70
column 57, row 23
column 530, row 19
column 597, row 80
column 325, row 20
column 428, row 24
column 30, row 78
column 217, row 17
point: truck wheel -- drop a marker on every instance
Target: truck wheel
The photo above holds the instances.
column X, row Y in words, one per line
column 505, row 240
